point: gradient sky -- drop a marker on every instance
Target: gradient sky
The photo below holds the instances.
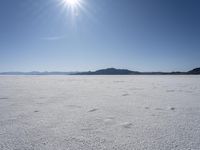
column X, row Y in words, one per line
column 143, row 35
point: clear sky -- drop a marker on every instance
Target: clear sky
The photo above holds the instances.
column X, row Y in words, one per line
column 143, row 35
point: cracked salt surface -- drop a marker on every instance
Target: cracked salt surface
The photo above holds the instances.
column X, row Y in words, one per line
column 95, row 112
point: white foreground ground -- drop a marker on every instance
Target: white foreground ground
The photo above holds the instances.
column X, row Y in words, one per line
column 99, row 112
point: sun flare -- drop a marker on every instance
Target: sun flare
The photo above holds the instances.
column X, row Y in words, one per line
column 72, row 8
column 71, row 3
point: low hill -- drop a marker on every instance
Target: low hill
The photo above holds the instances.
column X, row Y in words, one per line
column 110, row 71
column 194, row 71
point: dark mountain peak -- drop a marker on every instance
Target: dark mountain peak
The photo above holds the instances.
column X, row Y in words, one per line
column 110, row 71
column 114, row 71
column 194, row 71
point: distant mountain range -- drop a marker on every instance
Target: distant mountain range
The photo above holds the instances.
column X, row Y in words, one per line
column 108, row 71
column 113, row 71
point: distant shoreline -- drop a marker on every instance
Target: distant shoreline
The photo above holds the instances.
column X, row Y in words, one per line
column 108, row 71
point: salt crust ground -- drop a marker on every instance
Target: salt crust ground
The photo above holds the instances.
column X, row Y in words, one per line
column 99, row 112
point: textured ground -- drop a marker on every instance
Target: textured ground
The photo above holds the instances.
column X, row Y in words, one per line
column 99, row 112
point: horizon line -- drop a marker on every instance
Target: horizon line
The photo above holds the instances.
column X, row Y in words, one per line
column 34, row 71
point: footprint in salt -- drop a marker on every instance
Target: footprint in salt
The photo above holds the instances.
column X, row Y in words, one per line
column 93, row 110
column 3, row 98
column 125, row 94
column 126, row 125
column 171, row 108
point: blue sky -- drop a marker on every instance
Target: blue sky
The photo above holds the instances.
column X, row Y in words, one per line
column 143, row 35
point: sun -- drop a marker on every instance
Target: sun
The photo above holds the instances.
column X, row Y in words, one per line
column 72, row 7
column 71, row 3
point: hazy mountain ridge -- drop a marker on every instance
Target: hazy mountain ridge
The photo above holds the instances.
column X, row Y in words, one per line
column 194, row 71
column 108, row 71
column 113, row 71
